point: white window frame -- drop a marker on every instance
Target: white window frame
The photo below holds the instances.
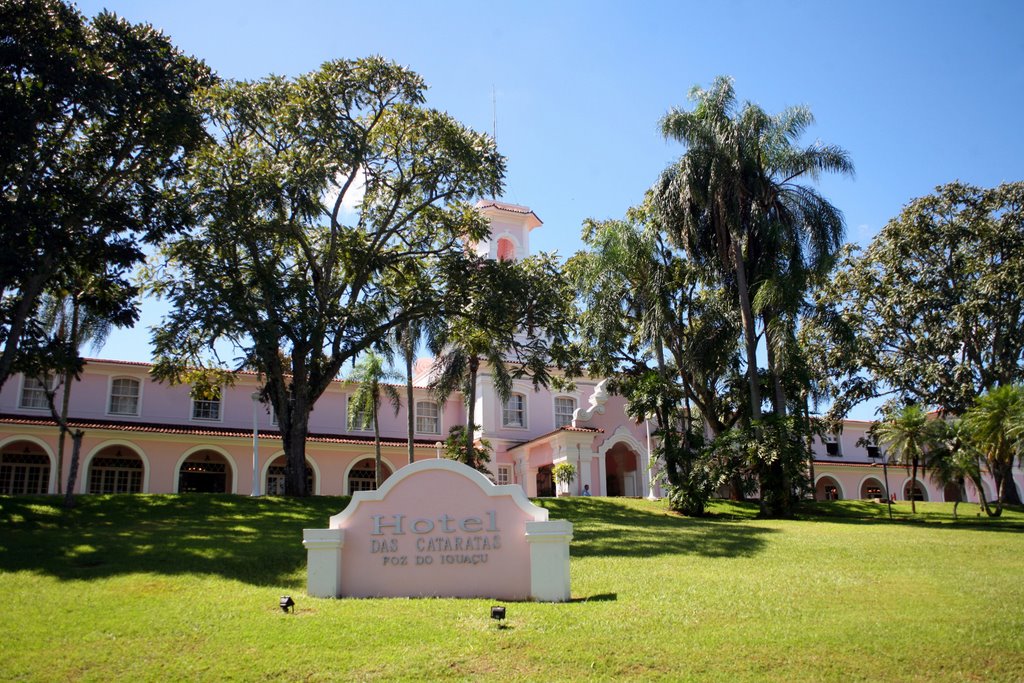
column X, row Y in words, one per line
column 350, row 422
column 436, row 417
column 833, row 439
column 25, row 379
column 503, row 475
column 110, row 396
column 575, row 405
column 220, row 408
column 505, row 423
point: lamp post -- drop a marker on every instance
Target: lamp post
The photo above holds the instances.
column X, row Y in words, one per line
column 255, row 445
column 885, row 473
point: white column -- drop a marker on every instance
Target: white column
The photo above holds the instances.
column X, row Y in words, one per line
column 323, row 561
column 549, row 560
column 602, row 474
column 255, row 445
column 585, row 471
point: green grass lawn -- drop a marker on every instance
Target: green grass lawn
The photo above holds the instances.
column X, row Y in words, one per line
column 186, row 588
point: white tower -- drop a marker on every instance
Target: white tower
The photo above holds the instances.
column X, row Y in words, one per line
column 511, row 225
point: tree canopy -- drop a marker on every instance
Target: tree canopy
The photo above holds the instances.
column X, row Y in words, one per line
column 932, row 311
column 98, row 120
column 328, row 213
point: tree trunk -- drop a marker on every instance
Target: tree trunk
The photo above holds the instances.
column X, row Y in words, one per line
column 410, row 405
column 749, row 333
column 295, row 450
column 913, row 488
column 76, row 449
column 379, row 470
column 474, row 366
column 1003, row 475
column 72, row 341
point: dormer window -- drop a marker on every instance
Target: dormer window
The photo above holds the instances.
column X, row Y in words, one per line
column 33, row 394
column 124, row 396
column 207, row 408
column 514, row 412
column 564, row 408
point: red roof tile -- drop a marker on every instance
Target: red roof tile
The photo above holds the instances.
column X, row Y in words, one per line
column 192, row 430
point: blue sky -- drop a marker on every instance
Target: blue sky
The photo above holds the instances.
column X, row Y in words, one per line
column 919, row 93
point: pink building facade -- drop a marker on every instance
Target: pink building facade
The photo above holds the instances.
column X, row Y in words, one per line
column 145, row 437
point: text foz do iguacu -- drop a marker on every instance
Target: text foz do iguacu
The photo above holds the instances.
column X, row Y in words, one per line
column 444, row 540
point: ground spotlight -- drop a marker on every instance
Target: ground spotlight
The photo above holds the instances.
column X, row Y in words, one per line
column 498, row 613
column 287, row 604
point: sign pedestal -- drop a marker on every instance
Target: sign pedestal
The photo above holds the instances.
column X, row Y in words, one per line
column 440, row 529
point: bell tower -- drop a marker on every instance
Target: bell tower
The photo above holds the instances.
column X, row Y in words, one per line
column 511, row 225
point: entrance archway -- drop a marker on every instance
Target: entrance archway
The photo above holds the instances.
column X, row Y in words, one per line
column 205, row 471
column 545, row 482
column 24, row 468
column 872, row 488
column 918, row 491
column 273, row 484
column 622, row 467
column 362, row 476
column 827, row 488
column 115, row 469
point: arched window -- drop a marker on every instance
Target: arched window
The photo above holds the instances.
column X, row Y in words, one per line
column 363, row 475
column 116, row 470
column 506, row 249
column 124, row 396
column 564, row 408
column 205, row 472
column 274, row 485
column 915, row 489
column 24, row 468
column 514, row 412
column 428, row 417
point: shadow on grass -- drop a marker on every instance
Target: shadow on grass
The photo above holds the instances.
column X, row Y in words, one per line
column 932, row 515
column 253, row 540
column 603, row 528
column 258, row 540
column 600, row 597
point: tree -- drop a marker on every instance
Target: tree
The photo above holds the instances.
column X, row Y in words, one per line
column 734, row 203
column 667, row 340
column 511, row 318
column 455, row 449
column 371, row 377
column 564, row 473
column 327, row 212
column 934, row 307
column 98, row 120
column 69, row 324
column 955, row 461
column 993, row 423
column 908, row 435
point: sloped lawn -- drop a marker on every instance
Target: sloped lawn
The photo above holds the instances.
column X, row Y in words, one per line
column 186, row 588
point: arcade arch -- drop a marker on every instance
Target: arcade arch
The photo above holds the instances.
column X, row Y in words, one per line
column 361, row 474
column 828, row 488
column 27, row 465
column 206, row 469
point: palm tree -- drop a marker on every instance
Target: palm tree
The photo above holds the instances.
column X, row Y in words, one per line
column 908, row 435
column 955, row 461
column 372, row 376
column 994, row 423
column 70, row 325
column 407, row 339
column 461, row 348
column 734, row 204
